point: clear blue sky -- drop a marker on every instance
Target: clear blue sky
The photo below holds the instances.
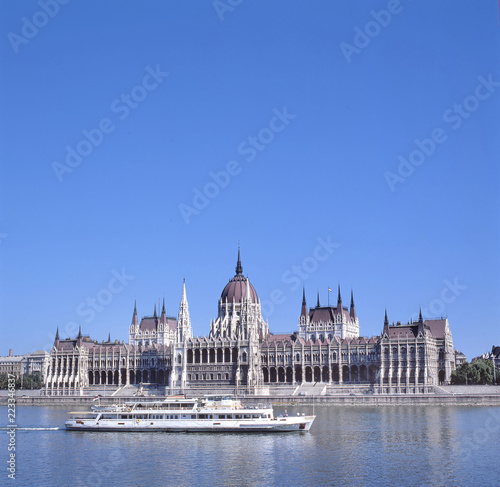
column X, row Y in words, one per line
column 372, row 127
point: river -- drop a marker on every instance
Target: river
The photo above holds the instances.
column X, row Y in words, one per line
column 347, row 446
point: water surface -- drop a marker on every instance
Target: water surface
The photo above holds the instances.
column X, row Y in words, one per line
column 347, row 446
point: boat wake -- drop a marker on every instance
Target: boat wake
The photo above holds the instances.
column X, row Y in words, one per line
column 29, row 429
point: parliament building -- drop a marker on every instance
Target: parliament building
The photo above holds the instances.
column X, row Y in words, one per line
column 240, row 353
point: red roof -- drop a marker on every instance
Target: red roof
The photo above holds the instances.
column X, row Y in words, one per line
column 236, row 289
column 437, row 327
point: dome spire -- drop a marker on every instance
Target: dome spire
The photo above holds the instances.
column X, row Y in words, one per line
column 239, row 268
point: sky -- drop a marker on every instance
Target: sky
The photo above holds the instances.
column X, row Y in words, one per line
column 339, row 143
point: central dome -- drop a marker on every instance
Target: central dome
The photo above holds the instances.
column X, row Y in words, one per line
column 236, row 288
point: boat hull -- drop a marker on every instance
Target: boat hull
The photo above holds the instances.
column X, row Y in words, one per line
column 287, row 424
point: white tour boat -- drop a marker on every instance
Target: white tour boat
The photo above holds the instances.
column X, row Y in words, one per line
column 209, row 414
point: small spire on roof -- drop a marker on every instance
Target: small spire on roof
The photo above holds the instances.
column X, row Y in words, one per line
column 135, row 321
column 317, row 304
column 163, row 311
column 79, row 332
column 420, row 319
column 339, row 299
column 352, row 310
column 57, row 334
column 386, row 320
column 109, row 337
column 303, row 311
column 155, row 315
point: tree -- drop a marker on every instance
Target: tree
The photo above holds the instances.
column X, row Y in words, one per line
column 478, row 372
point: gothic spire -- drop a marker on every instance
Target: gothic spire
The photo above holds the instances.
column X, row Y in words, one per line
column 135, row 321
column 184, row 297
column 420, row 328
column 303, row 311
column 317, row 304
column 386, row 320
column 183, row 321
column 57, row 335
column 352, row 310
column 109, row 337
column 155, row 315
column 247, row 297
column 163, row 318
column 239, row 268
column 79, row 332
column 339, row 299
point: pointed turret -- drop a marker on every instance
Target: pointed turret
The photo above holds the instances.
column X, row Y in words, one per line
column 56, row 339
column 303, row 311
column 109, row 337
column 155, row 315
column 239, row 268
column 352, row 310
column 339, row 299
column 79, row 332
column 386, row 324
column 420, row 328
column 183, row 321
column 247, row 294
column 135, row 321
column 163, row 317
column 317, row 304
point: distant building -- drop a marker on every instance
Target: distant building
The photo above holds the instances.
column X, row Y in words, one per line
column 494, row 356
column 460, row 358
column 37, row 363
column 12, row 364
column 241, row 352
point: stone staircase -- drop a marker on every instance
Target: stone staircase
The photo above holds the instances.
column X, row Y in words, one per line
column 310, row 389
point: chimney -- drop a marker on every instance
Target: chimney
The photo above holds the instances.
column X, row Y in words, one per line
column 10, row 352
